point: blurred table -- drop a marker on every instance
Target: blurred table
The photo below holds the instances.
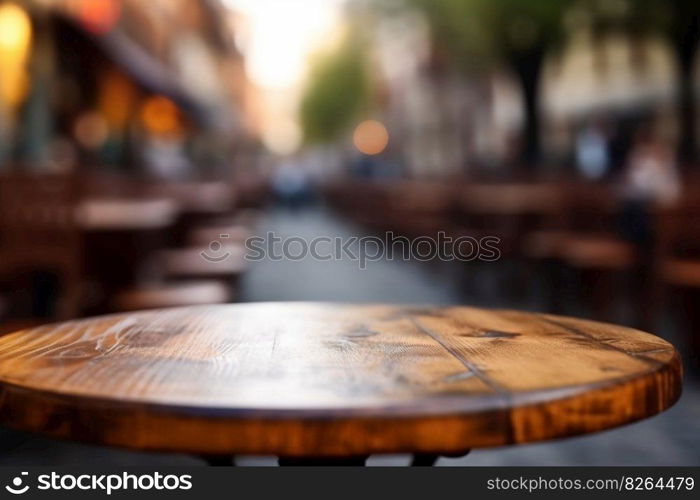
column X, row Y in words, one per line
column 228, row 263
column 122, row 238
column 110, row 214
column 310, row 382
column 198, row 202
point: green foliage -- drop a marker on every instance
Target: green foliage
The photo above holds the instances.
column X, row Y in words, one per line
column 338, row 90
column 474, row 33
column 478, row 32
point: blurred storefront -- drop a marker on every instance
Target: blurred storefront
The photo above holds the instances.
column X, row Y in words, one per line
column 150, row 87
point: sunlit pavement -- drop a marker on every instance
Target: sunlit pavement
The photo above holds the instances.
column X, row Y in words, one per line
column 668, row 439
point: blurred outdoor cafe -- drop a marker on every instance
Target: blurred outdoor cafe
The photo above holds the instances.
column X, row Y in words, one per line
column 137, row 136
column 124, row 146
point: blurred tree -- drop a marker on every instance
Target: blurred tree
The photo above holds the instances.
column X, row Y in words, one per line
column 520, row 33
column 678, row 22
column 338, row 89
column 683, row 32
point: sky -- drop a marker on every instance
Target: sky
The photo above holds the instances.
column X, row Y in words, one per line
column 278, row 38
column 282, row 34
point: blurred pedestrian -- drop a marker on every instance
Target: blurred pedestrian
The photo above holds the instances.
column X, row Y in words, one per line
column 651, row 180
column 652, row 173
column 291, row 183
column 593, row 151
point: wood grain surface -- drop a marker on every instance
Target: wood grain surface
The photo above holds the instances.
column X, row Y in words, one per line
column 312, row 380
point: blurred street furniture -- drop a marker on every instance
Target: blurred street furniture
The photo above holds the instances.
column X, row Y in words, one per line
column 222, row 233
column 87, row 244
column 225, row 262
column 588, row 244
column 363, row 202
column 407, row 208
column 683, row 276
column 198, row 202
column 114, row 214
column 141, row 109
column 581, row 243
column 419, row 209
column 41, row 246
column 175, row 269
column 124, row 236
column 201, row 204
column 565, row 232
column 678, row 263
column 164, row 295
column 315, row 383
column 508, row 211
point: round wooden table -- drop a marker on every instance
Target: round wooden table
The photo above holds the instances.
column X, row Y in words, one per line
column 307, row 381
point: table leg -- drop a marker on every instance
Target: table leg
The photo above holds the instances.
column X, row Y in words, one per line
column 219, row 460
column 428, row 460
column 322, row 462
column 423, row 460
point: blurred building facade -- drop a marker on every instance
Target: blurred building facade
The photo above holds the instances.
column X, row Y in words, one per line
column 448, row 119
column 156, row 86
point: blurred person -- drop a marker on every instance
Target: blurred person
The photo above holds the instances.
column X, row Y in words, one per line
column 651, row 180
column 374, row 167
column 652, row 173
column 291, row 183
column 365, row 166
column 593, row 151
column 165, row 158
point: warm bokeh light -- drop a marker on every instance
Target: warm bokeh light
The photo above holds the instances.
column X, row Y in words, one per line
column 15, row 28
column 371, row 137
column 160, row 115
column 15, row 41
column 99, row 16
column 116, row 100
column 91, row 130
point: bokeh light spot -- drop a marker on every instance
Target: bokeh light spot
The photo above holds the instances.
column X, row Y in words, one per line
column 91, row 130
column 15, row 41
column 99, row 16
column 371, row 137
column 160, row 115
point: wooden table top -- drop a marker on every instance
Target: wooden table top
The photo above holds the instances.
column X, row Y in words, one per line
column 307, row 379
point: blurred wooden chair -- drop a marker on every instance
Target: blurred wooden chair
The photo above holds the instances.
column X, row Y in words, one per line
column 419, row 209
column 580, row 253
column 40, row 233
column 224, row 262
column 122, row 238
column 679, row 264
column 223, row 234
column 199, row 203
column 683, row 278
column 164, row 295
column 509, row 212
